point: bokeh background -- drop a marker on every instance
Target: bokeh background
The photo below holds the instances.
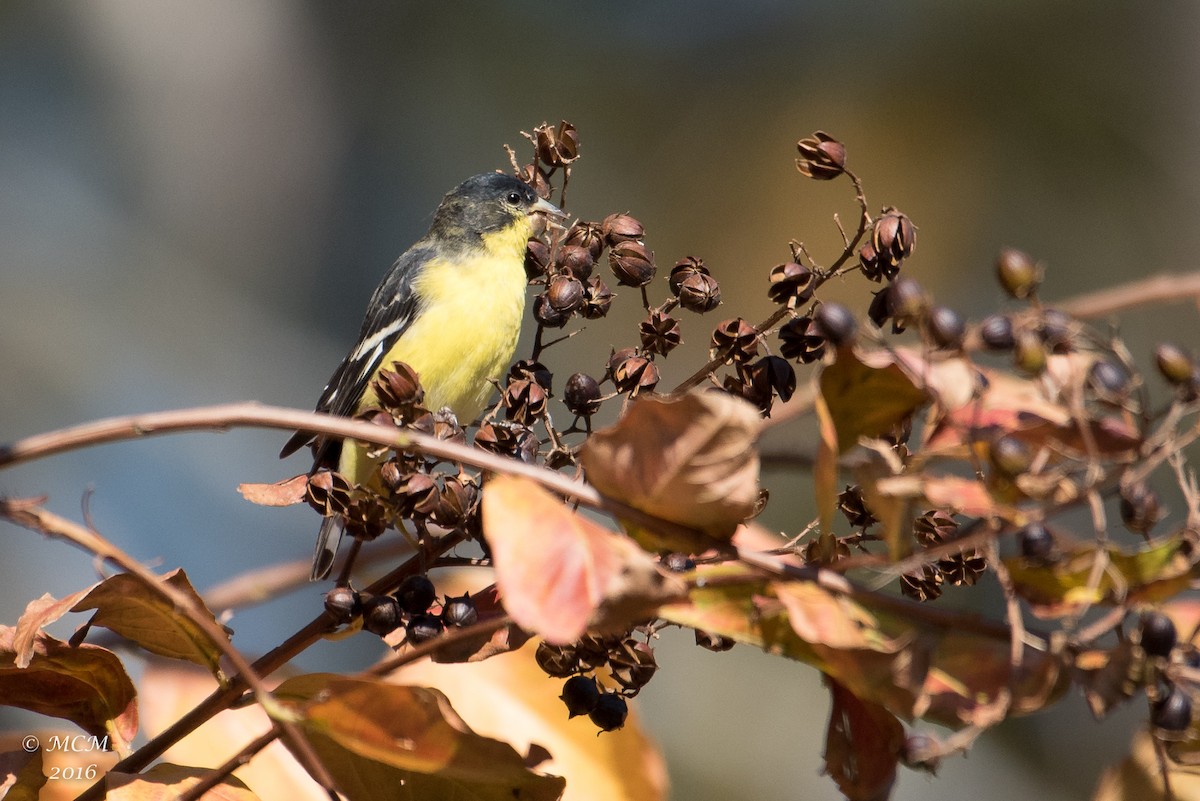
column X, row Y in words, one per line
column 196, row 200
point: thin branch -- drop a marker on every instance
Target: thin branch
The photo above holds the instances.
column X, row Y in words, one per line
column 1156, row 290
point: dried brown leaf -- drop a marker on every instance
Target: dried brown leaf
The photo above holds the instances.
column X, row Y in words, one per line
column 165, row 781
column 862, row 746
column 690, row 460
column 282, row 493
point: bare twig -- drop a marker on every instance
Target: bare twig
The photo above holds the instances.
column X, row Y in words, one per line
column 1156, row 290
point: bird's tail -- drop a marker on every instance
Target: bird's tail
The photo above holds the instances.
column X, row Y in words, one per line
column 328, row 539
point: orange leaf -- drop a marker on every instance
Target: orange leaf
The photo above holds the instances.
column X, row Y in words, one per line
column 84, row 684
column 690, row 460
column 862, row 746
column 165, row 781
column 557, row 571
column 281, row 493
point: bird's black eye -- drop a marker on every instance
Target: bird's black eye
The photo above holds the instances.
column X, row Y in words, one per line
column 514, row 198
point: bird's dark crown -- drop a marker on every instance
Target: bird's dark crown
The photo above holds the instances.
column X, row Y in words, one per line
column 481, row 204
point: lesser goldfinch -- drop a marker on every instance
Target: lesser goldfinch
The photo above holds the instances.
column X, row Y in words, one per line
column 450, row 308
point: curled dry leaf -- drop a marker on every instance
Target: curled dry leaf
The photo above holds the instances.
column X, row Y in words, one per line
column 866, row 400
column 690, row 460
column 282, row 493
column 558, row 572
column 85, row 684
column 862, row 745
column 126, row 605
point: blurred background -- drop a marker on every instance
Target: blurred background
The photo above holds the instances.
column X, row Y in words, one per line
column 196, row 200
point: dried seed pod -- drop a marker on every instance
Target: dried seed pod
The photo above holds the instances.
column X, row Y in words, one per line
column 660, row 333
column 791, row 283
column 619, row 228
column 923, row 585
column 774, row 374
column 537, row 178
column 699, row 293
column 1037, row 543
column 576, row 261
column 835, row 323
column 381, row 615
column 418, row 495
column 545, row 313
column 343, row 604
column 946, row 327
column 557, row 661
column 1010, row 456
column 632, row 263
column 744, row 387
column 459, row 612
column 327, row 492
column 364, row 518
column 597, row 299
column 877, row 311
column 997, row 332
column 556, row 148
column 582, row 395
column 1018, row 274
column 821, row 157
column 528, row 368
column 713, row 642
column 456, row 502
column 1029, row 354
column 524, row 400
column 893, row 237
column 1174, row 363
column 734, row 340
column 399, row 389
column 565, row 294
column 1109, row 381
column 906, row 303
column 588, row 236
column 873, row 267
column 537, row 259
column 683, row 269
column 801, row 340
column 854, row 507
column 497, row 438
column 1057, row 330
column 963, row 569
column 934, row 527
column 632, row 373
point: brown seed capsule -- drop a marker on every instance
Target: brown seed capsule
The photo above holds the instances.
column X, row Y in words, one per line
column 799, row 339
column 497, row 438
column 906, row 303
column 734, row 340
column 631, row 372
column 1018, row 274
column 874, row 268
column 963, row 569
column 364, row 518
column 821, row 157
column 418, row 496
column 631, row 263
column 791, row 283
column 745, row 387
column 835, row 323
column 528, row 368
column 683, row 269
column 997, row 332
column 1057, row 330
column 399, row 389
column 854, row 507
column 556, row 148
column 923, row 585
column 765, row 377
column 537, row 259
column 934, row 527
column 545, row 313
column 588, row 236
column 877, row 311
column 456, row 502
column 556, row 661
column 327, row 492
column 619, row 228
column 660, row 333
column 1109, row 381
column 946, row 327
column 699, row 293
column 537, row 178
column 576, row 261
column 597, row 299
column 1010, row 456
column 524, row 401
column 565, row 294
column 582, row 395
column 893, row 237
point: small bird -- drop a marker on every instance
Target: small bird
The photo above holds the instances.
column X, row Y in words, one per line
column 450, row 308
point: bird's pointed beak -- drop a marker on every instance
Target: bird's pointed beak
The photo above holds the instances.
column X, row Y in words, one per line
column 546, row 215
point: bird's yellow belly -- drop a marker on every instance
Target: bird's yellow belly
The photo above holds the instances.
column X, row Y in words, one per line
column 465, row 336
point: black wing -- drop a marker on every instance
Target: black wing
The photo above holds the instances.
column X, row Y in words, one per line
column 392, row 309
